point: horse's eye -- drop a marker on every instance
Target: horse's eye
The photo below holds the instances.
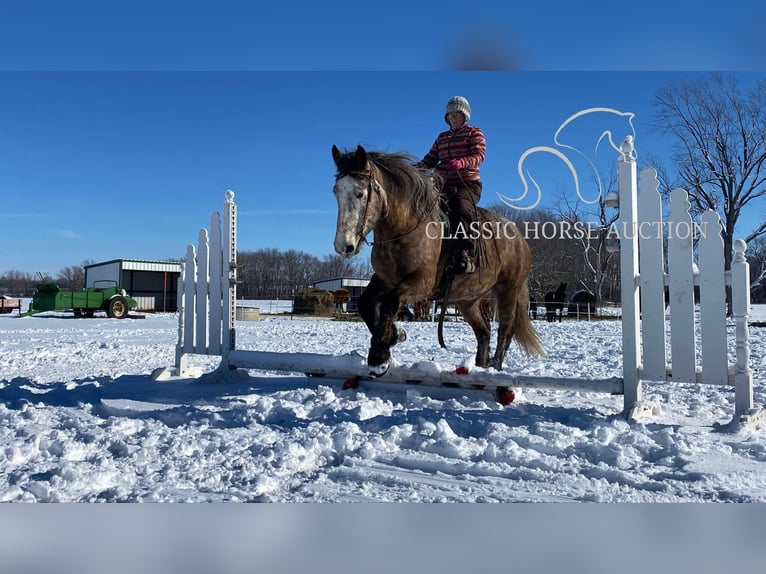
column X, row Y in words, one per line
column 360, row 195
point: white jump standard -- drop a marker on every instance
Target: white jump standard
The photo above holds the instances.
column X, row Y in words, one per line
column 207, row 317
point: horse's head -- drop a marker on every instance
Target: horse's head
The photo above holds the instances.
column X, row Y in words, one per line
column 359, row 200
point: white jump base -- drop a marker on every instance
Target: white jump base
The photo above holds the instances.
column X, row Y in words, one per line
column 207, row 318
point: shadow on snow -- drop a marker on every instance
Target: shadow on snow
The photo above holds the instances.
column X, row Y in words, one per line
column 283, row 402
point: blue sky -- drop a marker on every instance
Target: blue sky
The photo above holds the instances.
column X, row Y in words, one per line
column 394, row 35
column 104, row 165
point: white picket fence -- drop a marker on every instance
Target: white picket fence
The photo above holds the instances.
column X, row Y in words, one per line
column 698, row 350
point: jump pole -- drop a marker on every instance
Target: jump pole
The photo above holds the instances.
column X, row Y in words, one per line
column 426, row 373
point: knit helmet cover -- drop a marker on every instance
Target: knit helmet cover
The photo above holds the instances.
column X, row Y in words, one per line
column 458, row 104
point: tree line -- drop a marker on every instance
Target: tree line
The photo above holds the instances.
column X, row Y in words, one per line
column 582, row 262
column 569, row 245
column 16, row 283
column 276, row 274
column 263, row 274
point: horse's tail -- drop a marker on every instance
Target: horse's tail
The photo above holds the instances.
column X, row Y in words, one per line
column 523, row 329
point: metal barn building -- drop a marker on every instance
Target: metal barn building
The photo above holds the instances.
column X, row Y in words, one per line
column 154, row 284
column 352, row 285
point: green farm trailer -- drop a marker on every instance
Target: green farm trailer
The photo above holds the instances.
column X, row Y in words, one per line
column 84, row 303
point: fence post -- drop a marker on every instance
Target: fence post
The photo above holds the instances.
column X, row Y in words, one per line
column 631, row 344
column 181, row 360
column 740, row 303
column 228, row 279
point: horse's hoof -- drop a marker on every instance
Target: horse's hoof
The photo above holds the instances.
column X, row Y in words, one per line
column 379, row 370
column 401, row 335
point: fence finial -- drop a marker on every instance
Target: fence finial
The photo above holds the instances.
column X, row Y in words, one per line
column 739, row 248
column 627, row 149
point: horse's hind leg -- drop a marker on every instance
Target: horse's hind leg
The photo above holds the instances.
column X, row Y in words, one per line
column 506, row 311
column 480, row 324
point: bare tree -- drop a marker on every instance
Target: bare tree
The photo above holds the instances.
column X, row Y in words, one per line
column 555, row 259
column 270, row 273
column 261, row 274
column 756, row 256
column 720, row 147
column 363, row 268
column 334, row 266
column 591, row 226
column 72, row 278
column 18, row 284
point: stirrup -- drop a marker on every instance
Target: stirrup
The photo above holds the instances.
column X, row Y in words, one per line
column 467, row 265
column 462, row 264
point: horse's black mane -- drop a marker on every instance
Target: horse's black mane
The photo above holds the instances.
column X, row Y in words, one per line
column 420, row 187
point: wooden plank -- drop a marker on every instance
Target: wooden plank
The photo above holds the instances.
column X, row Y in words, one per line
column 652, row 276
column 215, row 298
column 681, row 285
column 190, row 273
column 202, row 284
column 712, row 284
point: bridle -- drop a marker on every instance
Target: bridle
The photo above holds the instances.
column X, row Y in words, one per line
column 374, row 186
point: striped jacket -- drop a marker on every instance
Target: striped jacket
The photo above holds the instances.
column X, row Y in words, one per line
column 467, row 143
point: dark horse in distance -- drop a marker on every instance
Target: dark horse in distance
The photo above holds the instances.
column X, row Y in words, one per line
column 554, row 303
column 385, row 194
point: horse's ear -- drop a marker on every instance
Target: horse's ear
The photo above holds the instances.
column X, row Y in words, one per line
column 360, row 157
column 335, row 154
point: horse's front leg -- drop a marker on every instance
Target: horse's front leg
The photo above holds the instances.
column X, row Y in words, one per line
column 378, row 308
column 369, row 303
column 385, row 335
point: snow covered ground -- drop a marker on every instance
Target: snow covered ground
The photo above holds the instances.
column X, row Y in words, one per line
column 81, row 420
